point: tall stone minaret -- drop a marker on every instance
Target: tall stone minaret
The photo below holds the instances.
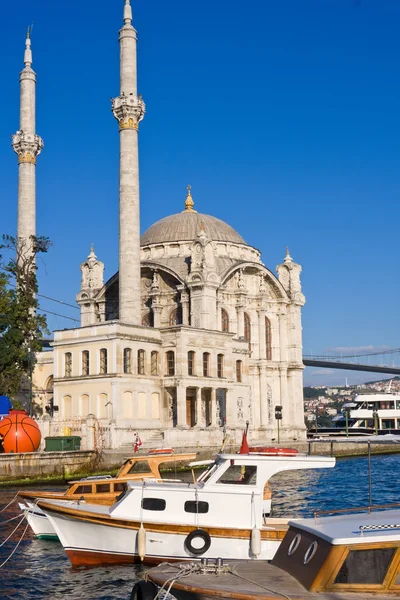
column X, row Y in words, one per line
column 128, row 109
column 28, row 146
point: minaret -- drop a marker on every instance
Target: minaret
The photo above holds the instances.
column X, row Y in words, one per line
column 27, row 145
column 128, row 109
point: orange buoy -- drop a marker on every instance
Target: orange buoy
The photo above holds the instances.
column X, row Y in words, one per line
column 21, row 433
column 270, row 451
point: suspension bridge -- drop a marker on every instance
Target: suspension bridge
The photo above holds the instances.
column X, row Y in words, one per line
column 384, row 361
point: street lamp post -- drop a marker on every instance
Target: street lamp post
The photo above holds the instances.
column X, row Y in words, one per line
column 278, row 417
column 375, row 418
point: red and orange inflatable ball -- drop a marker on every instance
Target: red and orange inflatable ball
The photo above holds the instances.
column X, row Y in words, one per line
column 21, row 433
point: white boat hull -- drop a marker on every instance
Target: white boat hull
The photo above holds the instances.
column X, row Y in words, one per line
column 89, row 543
column 38, row 521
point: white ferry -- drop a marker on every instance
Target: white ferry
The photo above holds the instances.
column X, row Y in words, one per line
column 377, row 412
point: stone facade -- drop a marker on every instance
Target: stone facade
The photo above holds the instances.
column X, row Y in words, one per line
column 194, row 338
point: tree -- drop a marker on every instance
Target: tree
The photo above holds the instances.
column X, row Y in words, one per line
column 21, row 328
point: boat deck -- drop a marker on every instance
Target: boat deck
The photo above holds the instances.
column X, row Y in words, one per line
column 246, row 580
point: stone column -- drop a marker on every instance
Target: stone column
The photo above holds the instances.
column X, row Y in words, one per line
column 181, row 405
column 129, row 110
column 200, row 421
column 27, row 145
column 185, row 308
column 214, row 422
column 264, row 417
column 283, row 337
column 261, row 334
column 240, row 320
column 157, row 309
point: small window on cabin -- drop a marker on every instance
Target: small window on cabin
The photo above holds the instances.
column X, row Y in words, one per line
column 388, row 424
column 140, row 466
column 102, row 488
column 191, row 506
column 239, row 474
column 154, row 504
column 366, row 566
column 83, row 489
column 120, row 487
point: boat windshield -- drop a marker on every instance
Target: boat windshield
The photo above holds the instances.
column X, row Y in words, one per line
column 205, row 476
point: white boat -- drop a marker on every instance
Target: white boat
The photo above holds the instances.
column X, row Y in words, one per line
column 368, row 413
column 222, row 514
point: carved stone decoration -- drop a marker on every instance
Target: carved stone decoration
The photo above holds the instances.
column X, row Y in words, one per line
column 240, row 280
column 269, row 403
column 239, row 409
column 155, row 285
column 128, row 110
column 196, row 313
column 27, row 146
column 263, row 285
column 92, row 272
column 203, row 408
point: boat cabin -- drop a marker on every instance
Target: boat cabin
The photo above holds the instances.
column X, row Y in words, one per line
column 348, row 552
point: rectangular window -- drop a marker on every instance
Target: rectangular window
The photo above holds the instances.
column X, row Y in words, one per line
column 154, row 363
column 239, row 371
column 140, row 362
column 240, row 475
column 170, row 363
column 127, row 360
column 103, row 361
column 190, row 363
column 191, row 506
column 153, row 504
column 68, row 364
column 85, row 362
column 206, row 364
column 102, row 488
column 365, row 566
column 83, row 489
column 388, row 424
column 220, row 365
column 120, row 487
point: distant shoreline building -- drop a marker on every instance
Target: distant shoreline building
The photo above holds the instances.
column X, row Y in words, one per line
column 193, row 338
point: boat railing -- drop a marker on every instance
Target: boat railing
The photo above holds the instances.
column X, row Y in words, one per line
column 355, row 509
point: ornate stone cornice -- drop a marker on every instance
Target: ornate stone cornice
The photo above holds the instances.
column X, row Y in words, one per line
column 27, row 146
column 128, row 110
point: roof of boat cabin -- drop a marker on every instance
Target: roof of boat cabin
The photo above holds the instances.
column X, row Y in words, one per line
column 345, row 528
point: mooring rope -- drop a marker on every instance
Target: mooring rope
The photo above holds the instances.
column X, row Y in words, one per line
column 20, row 539
column 8, row 520
column 185, row 570
column 9, row 504
column 13, row 531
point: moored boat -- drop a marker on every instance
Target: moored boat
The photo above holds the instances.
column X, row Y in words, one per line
column 220, row 514
column 349, row 556
column 100, row 489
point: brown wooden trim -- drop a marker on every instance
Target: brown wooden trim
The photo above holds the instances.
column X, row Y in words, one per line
column 222, row 532
column 330, row 567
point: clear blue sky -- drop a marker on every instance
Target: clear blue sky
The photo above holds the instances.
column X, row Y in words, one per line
column 283, row 115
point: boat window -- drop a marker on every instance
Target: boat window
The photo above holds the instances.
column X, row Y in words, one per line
column 205, row 476
column 398, row 404
column 239, row 474
column 83, row 489
column 120, row 487
column 191, row 506
column 140, row 466
column 388, row 424
column 153, row 504
column 365, row 566
column 102, row 488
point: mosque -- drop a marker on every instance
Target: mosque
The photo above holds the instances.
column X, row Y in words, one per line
column 191, row 340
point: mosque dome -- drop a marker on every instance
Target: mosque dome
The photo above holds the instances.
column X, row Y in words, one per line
column 186, row 225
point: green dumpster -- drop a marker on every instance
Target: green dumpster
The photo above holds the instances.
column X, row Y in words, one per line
column 62, row 443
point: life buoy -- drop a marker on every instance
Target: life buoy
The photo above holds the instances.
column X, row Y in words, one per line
column 144, row 590
column 270, row 451
column 197, row 534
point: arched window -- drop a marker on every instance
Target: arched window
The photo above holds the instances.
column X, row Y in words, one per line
column 191, row 356
column 220, row 365
column 154, row 362
column 247, row 327
column 103, row 361
column 268, row 339
column 85, row 362
column 224, row 320
column 141, row 355
column 148, row 320
column 127, row 360
column 68, row 364
column 175, row 316
column 206, row 364
column 239, row 371
column 170, row 363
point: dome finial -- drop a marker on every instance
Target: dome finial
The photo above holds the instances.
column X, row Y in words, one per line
column 189, row 203
column 288, row 258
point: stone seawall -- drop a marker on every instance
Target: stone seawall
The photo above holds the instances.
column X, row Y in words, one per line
column 44, row 464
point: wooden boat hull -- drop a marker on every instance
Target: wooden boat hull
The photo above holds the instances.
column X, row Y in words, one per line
column 93, row 539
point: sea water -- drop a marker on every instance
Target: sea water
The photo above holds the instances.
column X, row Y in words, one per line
column 40, row 568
